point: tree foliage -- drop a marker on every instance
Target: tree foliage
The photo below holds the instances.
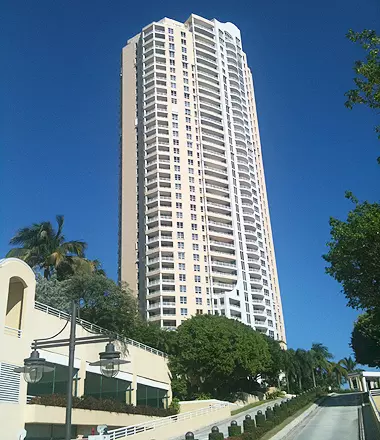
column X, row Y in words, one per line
column 218, row 356
column 354, row 255
column 365, row 339
column 45, row 248
column 367, row 79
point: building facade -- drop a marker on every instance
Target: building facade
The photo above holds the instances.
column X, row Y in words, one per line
column 23, row 320
column 195, row 234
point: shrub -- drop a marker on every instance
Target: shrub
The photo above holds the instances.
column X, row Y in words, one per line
column 269, row 413
column 109, row 405
column 216, row 436
column 174, row 405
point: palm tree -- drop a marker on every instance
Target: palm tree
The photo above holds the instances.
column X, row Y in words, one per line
column 348, row 364
column 44, row 248
column 321, row 357
column 337, row 373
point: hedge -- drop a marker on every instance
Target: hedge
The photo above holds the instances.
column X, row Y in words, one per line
column 109, row 405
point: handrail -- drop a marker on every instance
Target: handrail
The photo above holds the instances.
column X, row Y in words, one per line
column 10, row 331
column 373, row 404
column 95, row 328
column 149, row 426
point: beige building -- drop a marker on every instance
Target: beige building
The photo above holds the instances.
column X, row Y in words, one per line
column 144, row 381
column 195, row 234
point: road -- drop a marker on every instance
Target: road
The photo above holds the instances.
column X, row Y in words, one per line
column 335, row 419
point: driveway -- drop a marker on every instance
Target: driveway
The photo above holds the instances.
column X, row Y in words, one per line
column 335, row 419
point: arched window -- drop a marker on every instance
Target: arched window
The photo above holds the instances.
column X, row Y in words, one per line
column 13, row 317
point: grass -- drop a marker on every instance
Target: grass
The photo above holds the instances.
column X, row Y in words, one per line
column 249, row 406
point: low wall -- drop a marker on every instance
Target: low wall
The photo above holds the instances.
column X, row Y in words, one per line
column 179, row 428
column 81, row 417
column 193, row 405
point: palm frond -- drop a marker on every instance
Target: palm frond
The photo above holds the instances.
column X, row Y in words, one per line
column 74, row 247
column 60, row 221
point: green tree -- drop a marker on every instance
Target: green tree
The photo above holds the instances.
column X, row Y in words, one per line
column 348, row 364
column 367, row 79
column 354, row 254
column 218, row 356
column 277, row 363
column 365, row 339
column 45, row 248
column 336, row 374
column 101, row 301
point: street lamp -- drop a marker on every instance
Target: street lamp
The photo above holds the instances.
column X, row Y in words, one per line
column 35, row 366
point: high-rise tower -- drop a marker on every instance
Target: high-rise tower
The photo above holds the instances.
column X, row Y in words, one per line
column 195, row 234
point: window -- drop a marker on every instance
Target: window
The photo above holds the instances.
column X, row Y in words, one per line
column 191, row 179
column 184, row 50
column 180, row 225
column 179, row 214
column 171, row 54
column 188, row 127
column 183, row 34
column 171, row 38
column 197, row 278
column 194, row 236
column 187, row 111
column 192, row 198
column 177, row 176
column 183, row 300
column 178, row 205
column 173, row 85
column 199, row 312
column 181, row 255
column 181, row 245
column 198, row 290
column 172, row 62
column 191, row 170
column 184, row 65
column 193, row 207
column 173, row 93
column 172, row 69
column 182, row 277
column 174, row 100
column 172, row 77
column 185, row 74
column 175, row 133
column 193, row 216
column 186, row 96
column 181, row 266
column 180, row 235
column 194, row 226
column 184, row 312
column 175, row 117
column 198, row 301
column 178, row 196
column 177, row 168
column 196, row 257
column 197, row 268
column 177, row 186
column 171, row 46
column 182, row 288
column 190, row 162
column 171, row 31
column 195, row 247
column 175, row 125
column 187, row 104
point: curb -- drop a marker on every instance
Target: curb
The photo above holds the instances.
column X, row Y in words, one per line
column 281, row 435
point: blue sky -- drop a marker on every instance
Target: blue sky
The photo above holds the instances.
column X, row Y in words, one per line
column 59, row 112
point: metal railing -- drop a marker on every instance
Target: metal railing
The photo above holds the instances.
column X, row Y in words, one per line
column 95, row 328
column 165, row 421
column 375, row 409
column 13, row 332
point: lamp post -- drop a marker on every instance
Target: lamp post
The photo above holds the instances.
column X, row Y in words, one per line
column 35, row 366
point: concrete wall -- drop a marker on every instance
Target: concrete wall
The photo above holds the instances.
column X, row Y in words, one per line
column 178, row 428
column 81, row 417
column 144, row 367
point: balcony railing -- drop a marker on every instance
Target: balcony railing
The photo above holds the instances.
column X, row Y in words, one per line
column 93, row 328
column 12, row 332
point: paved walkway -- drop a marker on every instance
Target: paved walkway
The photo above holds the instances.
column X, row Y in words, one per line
column 335, row 419
column 202, row 434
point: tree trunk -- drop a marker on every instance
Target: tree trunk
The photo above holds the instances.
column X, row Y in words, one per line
column 287, row 382
column 300, row 382
column 312, row 372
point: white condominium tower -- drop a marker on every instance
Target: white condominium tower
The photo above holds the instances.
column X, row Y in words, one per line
column 195, row 234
